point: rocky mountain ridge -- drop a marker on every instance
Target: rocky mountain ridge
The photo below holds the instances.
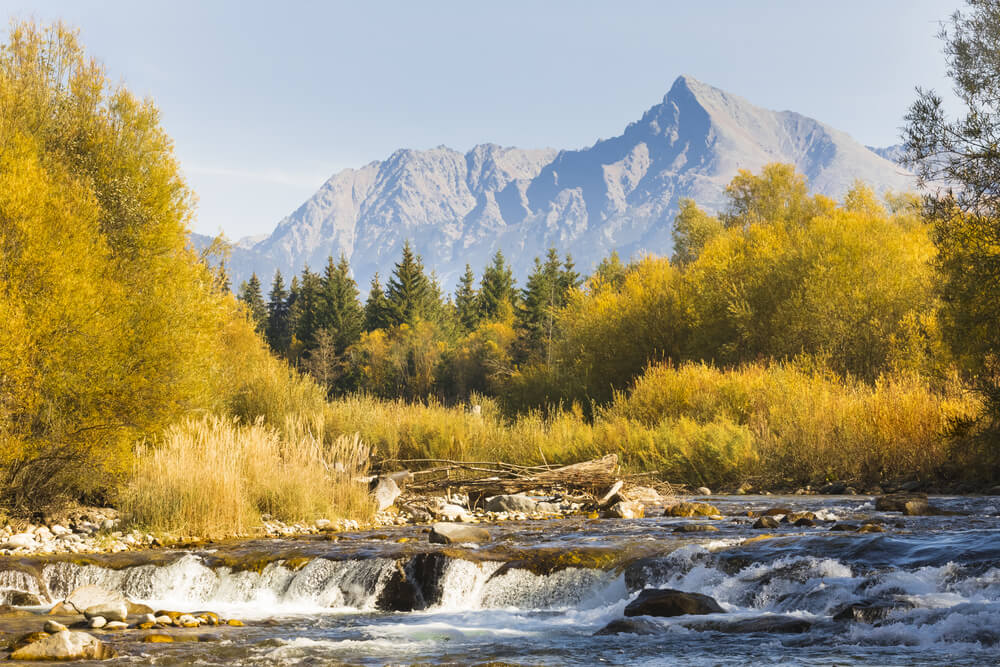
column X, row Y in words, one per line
column 620, row 194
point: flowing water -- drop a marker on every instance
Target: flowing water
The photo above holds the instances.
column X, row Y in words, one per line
column 538, row 593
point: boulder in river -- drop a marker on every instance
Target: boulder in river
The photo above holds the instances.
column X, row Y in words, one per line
column 110, row 611
column 691, row 509
column 517, row 502
column 766, row 522
column 626, row 509
column 704, row 491
column 65, row 645
column 630, row 626
column 23, row 599
column 456, row 533
column 90, row 596
column 670, row 602
column 908, row 503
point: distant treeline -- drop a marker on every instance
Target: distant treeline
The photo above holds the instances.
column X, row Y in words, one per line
column 779, row 275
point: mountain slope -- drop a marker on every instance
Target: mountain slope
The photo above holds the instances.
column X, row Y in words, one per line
column 619, row 194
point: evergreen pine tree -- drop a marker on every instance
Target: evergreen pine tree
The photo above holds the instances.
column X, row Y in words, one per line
column 376, row 307
column 569, row 279
column 540, row 297
column 306, row 308
column 277, row 332
column 466, row 300
column 409, row 292
column 496, row 293
column 339, row 310
column 251, row 295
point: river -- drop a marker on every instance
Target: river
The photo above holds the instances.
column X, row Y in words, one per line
column 538, row 593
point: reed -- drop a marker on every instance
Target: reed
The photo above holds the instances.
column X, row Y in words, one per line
column 216, row 477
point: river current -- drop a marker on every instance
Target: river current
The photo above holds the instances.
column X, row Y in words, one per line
column 928, row 586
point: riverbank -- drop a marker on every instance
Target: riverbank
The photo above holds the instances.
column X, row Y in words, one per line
column 844, row 579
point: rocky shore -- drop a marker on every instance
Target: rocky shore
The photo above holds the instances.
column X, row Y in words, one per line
column 80, row 626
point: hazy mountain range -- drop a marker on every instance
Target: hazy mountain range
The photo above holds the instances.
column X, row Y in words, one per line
column 619, row 194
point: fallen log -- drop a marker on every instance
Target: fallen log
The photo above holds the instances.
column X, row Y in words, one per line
column 481, row 479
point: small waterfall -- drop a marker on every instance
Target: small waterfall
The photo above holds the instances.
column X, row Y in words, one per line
column 18, row 581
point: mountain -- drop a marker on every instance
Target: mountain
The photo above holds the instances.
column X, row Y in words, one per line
column 892, row 153
column 619, row 194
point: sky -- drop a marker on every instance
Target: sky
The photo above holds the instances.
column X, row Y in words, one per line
column 266, row 100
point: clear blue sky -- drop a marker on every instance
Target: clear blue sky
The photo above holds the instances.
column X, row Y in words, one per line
column 266, row 100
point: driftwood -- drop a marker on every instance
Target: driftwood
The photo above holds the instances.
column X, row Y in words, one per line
column 482, row 479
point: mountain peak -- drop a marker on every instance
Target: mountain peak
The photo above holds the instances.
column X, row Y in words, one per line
column 620, row 194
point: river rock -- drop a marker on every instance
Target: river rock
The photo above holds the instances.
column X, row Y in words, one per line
column 612, row 494
column 766, row 523
column 111, row 611
column 7, row 611
column 65, row 645
column 834, row 489
column 703, row 491
column 696, row 528
column 795, row 517
column 97, row 622
column 691, row 509
column 90, row 596
column 869, row 611
column 417, row 514
column 511, row 503
column 23, row 599
column 769, row 624
column 625, row 509
column 641, row 494
column 630, row 626
column 385, row 493
column 451, row 512
column 53, row 627
column 121, row 625
column 897, row 502
column 20, row 541
column 454, row 533
column 670, row 602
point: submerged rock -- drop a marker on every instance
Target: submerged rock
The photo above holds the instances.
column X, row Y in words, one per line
column 768, row 624
column 696, row 528
column 868, row 611
column 670, row 602
column 685, row 510
column 630, row 626
column 65, row 645
column 455, row 533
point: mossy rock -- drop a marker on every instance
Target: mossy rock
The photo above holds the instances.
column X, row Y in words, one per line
column 546, row 561
column 687, row 510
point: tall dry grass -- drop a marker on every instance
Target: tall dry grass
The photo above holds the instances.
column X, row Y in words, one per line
column 216, row 477
column 777, row 424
